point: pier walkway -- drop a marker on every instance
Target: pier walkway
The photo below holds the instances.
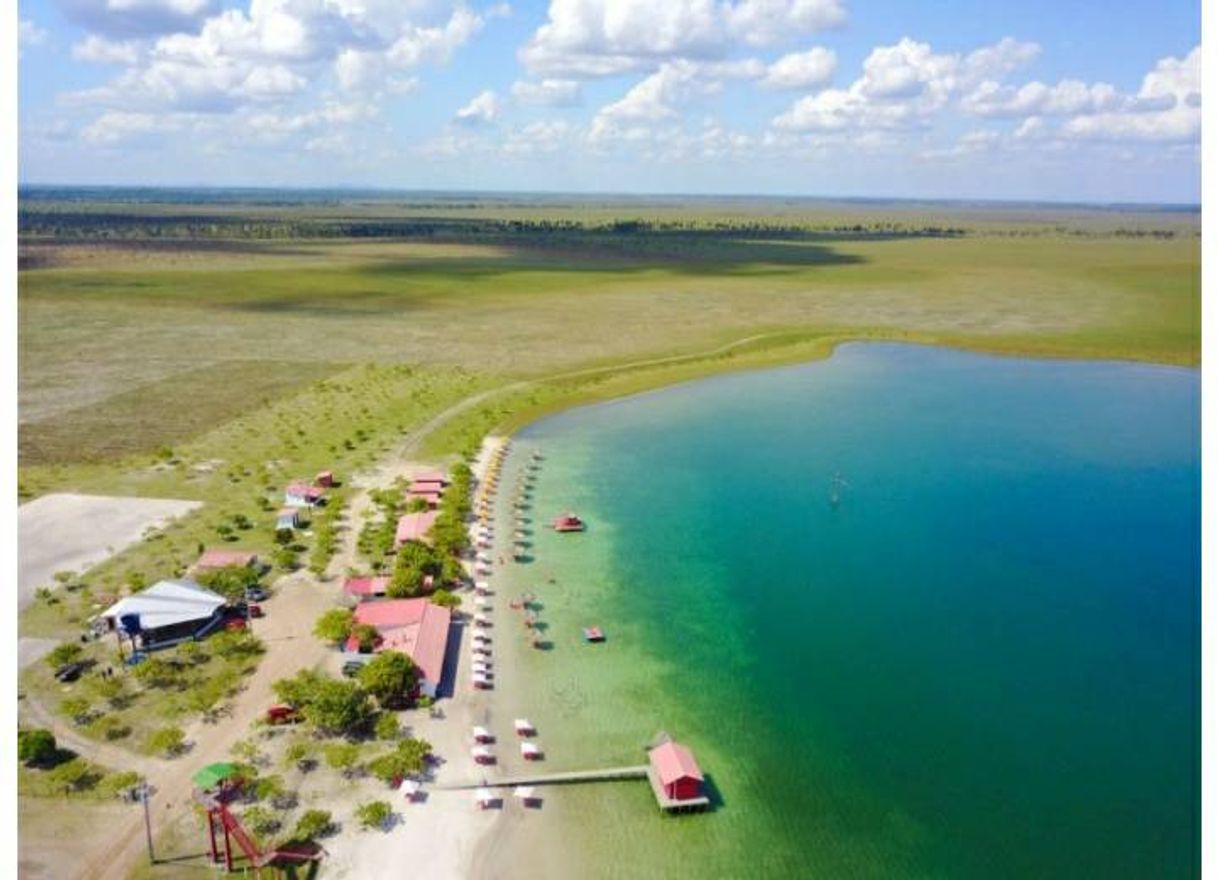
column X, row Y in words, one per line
column 609, row 775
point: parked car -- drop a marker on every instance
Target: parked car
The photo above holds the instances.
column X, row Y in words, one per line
column 283, row 714
column 351, row 668
column 71, row 671
column 248, row 609
column 237, row 624
column 256, row 594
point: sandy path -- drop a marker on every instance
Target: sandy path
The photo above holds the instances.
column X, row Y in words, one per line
column 69, row 532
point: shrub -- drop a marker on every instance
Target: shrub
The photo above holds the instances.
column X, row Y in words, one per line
column 67, row 652
column 365, row 636
column 374, row 814
column 260, row 820
column 387, row 726
column 36, row 747
column 112, row 784
column 313, row 824
column 445, row 599
column 166, row 741
column 79, row 709
column 342, row 756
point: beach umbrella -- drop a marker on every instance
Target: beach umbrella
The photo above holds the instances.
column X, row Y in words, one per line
column 524, row 727
column 213, row 774
column 482, row 754
column 410, row 788
column 484, row 797
column 530, row 751
column 482, row 735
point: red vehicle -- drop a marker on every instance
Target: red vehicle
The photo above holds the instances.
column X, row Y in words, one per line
column 568, row 522
column 255, row 610
column 283, row 714
column 237, row 624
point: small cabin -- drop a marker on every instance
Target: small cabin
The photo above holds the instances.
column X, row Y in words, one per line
column 676, row 778
column 325, row 479
column 303, row 495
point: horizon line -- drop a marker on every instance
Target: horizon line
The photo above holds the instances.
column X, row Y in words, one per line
column 351, row 189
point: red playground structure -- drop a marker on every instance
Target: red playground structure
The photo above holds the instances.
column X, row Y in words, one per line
column 218, row 816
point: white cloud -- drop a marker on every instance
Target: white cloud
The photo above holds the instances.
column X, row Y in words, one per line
column 30, row 34
column 772, row 22
column 547, row 92
column 276, row 49
column 583, row 38
column 127, row 18
column 660, row 96
column 99, row 50
column 801, row 70
column 1066, row 98
column 482, row 110
column 902, row 86
column 542, row 136
column 115, row 126
column 1167, row 108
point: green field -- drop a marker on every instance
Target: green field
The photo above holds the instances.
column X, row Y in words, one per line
column 216, row 351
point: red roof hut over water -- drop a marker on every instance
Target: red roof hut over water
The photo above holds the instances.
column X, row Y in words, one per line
column 414, row 527
column 415, row 627
column 677, row 771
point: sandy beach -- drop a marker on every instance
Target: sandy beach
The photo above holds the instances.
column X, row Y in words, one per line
column 444, row 834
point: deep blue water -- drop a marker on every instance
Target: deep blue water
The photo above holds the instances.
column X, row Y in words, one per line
column 983, row 662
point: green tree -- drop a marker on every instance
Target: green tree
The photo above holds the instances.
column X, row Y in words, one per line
column 157, row 673
column 407, row 758
column 36, row 747
column 365, row 637
column 338, row 707
column 335, row 625
column 390, row 676
column 230, row 581
column 374, row 814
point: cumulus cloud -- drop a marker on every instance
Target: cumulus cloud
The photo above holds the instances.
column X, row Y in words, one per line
column 547, row 92
column 482, row 110
column 902, row 86
column 587, row 38
column 542, row 136
column 275, row 49
column 99, row 50
column 801, row 70
column 660, row 96
column 128, row 18
column 1167, row 108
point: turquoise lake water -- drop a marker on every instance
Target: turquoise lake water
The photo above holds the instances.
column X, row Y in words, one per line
column 983, row 662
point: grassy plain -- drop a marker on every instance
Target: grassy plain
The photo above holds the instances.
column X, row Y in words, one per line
column 219, row 368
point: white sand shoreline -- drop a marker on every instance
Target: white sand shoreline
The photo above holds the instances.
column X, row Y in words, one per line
column 445, row 835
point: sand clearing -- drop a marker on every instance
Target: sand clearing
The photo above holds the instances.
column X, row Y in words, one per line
column 67, row 532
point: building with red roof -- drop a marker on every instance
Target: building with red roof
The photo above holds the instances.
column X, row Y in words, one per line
column 366, row 587
column 414, row 527
column 416, row 628
column 437, row 477
column 213, row 559
column 303, row 495
column 675, row 773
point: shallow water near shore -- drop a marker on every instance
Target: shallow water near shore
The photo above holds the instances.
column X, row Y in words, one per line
column 982, row 662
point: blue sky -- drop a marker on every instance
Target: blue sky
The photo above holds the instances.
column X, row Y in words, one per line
column 1078, row 100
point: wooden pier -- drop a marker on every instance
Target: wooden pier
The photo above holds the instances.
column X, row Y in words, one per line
column 611, row 774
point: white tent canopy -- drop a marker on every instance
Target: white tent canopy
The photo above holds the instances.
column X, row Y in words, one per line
column 525, row 792
column 167, row 603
